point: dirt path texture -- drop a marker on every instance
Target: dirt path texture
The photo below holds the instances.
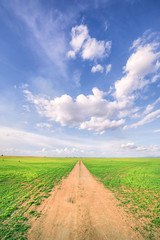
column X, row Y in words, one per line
column 81, row 209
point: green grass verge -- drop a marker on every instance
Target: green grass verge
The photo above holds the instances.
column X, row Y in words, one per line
column 24, row 183
column 136, row 183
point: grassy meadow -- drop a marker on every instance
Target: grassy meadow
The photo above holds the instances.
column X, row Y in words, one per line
column 136, row 183
column 24, row 183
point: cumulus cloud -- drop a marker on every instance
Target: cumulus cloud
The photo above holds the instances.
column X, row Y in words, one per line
column 108, row 68
column 141, row 148
column 92, row 112
column 138, row 66
column 133, row 146
column 79, row 35
column 101, row 125
column 142, row 62
column 93, row 49
column 98, row 111
column 129, row 145
column 97, row 68
column 89, row 48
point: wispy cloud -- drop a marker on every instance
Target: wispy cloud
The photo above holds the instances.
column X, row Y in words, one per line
column 150, row 107
column 151, row 150
column 77, row 78
column 19, row 142
column 46, row 31
column 43, row 125
column 147, row 119
column 108, row 68
column 157, row 131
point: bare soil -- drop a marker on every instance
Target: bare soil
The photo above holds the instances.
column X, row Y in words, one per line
column 81, row 209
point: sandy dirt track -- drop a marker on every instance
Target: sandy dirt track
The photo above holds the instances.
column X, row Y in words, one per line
column 82, row 209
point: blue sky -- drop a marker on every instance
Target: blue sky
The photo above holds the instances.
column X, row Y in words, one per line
column 80, row 78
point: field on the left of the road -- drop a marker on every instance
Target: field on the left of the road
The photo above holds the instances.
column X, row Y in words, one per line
column 24, row 183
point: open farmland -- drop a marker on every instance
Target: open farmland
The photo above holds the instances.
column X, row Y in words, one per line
column 80, row 207
column 24, row 183
column 136, row 183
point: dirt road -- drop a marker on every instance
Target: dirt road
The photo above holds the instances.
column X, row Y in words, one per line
column 82, row 209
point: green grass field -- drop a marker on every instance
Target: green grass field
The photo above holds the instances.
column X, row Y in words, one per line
column 136, row 183
column 24, row 183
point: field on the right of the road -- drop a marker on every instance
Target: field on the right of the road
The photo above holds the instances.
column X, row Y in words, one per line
column 136, row 183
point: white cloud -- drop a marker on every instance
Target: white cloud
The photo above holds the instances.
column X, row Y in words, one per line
column 141, row 148
column 136, row 43
column 133, row 146
column 97, row 68
column 20, row 137
column 79, row 35
column 129, row 145
column 93, row 49
column 138, row 113
column 157, row 131
column 101, row 125
column 150, row 107
column 147, row 119
column 108, row 68
column 155, row 148
column 143, row 61
column 71, row 54
column 147, row 36
column 106, row 25
column 155, row 78
column 68, row 151
column 77, row 78
column 18, row 142
column 46, row 32
column 87, row 112
column 96, row 111
column 43, row 125
column 89, row 48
